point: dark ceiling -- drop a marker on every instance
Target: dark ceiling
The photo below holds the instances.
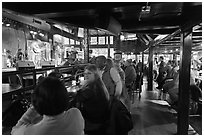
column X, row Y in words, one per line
column 163, row 17
column 151, row 18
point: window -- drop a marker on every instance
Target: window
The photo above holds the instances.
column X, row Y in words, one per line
column 71, row 42
column 111, row 39
column 107, row 40
column 93, row 41
column 101, row 40
column 77, row 43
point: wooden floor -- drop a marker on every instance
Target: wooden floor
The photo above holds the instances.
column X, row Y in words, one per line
column 153, row 117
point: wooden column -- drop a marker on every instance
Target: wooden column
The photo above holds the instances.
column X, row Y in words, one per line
column 97, row 39
column 86, row 45
column 108, row 46
column 143, row 61
column 184, row 82
column 150, row 72
column 117, row 43
column 136, row 57
column 75, row 43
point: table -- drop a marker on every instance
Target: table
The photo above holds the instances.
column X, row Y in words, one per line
column 6, row 87
column 8, row 69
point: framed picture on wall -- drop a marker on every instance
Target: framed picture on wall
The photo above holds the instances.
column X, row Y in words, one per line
column 117, row 56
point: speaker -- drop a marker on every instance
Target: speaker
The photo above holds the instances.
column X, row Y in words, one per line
column 46, row 64
column 25, row 65
column 108, row 23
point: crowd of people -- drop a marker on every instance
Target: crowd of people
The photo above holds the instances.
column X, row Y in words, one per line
column 167, row 77
column 102, row 102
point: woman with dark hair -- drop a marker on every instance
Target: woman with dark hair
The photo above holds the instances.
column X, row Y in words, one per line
column 94, row 99
column 48, row 114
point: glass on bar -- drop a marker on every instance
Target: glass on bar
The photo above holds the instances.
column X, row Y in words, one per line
column 73, row 88
column 73, row 82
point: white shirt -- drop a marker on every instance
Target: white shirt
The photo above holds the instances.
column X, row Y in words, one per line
column 117, row 80
column 69, row 122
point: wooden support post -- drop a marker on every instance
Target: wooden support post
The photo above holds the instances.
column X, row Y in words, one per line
column 34, row 78
column 150, row 72
column 97, row 39
column 108, row 46
column 184, row 82
column 136, row 57
column 74, row 43
column 143, row 61
column 86, row 45
column 117, row 43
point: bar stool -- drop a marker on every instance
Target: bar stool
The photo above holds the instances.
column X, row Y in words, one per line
column 15, row 81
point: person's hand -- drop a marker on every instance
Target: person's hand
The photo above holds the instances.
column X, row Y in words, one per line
column 31, row 106
column 35, row 116
column 84, row 83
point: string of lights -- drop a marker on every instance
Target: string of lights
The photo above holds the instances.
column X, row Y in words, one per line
column 6, row 22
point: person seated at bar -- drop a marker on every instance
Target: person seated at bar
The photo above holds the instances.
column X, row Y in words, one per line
column 171, row 71
column 40, row 78
column 55, row 74
column 94, row 99
column 48, row 114
column 173, row 90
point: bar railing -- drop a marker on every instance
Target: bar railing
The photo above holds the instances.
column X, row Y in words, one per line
column 71, row 72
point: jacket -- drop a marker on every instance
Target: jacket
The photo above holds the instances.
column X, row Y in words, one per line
column 120, row 121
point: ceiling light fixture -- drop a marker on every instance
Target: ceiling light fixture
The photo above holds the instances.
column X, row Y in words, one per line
column 145, row 10
column 7, row 25
column 41, row 34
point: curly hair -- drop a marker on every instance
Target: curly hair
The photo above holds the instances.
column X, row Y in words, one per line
column 50, row 97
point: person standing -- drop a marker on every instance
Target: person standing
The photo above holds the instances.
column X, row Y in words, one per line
column 162, row 72
column 130, row 73
column 112, row 79
column 124, row 95
column 155, row 69
column 161, row 76
column 100, row 64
